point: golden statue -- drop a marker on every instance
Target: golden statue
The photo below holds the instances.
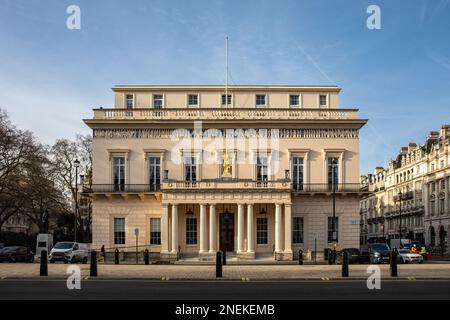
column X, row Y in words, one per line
column 226, row 169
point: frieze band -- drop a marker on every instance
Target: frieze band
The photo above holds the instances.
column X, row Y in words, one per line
column 259, row 133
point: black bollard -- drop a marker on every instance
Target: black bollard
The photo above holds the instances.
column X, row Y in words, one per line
column 44, row 264
column 345, row 264
column 116, row 256
column 394, row 271
column 219, row 264
column 93, row 272
column 300, row 257
column 330, row 257
column 224, row 258
column 146, row 257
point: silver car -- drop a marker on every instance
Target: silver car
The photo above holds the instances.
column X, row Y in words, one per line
column 406, row 256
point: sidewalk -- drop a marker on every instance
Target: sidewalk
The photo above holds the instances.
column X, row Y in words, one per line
column 230, row 272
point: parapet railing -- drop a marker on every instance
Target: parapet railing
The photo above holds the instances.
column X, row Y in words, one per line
column 225, row 114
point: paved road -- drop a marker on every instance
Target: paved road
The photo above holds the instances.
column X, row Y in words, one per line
column 223, row 290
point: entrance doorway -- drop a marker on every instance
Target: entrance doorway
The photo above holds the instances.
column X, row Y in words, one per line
column 226, row 231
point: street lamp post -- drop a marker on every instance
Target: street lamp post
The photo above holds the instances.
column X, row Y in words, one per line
column 333, row 172
column 400, row 216
column 76, row 164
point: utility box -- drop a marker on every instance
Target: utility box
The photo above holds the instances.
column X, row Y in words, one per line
column 44, row 241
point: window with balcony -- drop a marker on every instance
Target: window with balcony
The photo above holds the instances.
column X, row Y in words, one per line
column 294, row 100
column 331, row 229
column 119, row 231
column 260, row 100
column 193, row 100
column 191, row 231
column 155, row 173
column 333, row 173
column 432, row 207
column 297, row 173
column 157, row 101
column 119, row 173
column 129, row 101
column 155, row 231
column 227, row 102
column 441, row 206
column 262, row 168
column 297, row 230
column 190, row 169
column 323, row 101
column 261, row 231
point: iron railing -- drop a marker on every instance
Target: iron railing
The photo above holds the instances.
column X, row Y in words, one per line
column 231, row 184
column 122, row 188
column 326, row 188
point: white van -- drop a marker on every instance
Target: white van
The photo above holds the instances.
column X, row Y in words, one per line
column 72, row 252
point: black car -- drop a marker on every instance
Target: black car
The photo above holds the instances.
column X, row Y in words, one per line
column 354, row 255
column 16, row 254
column 376, row 253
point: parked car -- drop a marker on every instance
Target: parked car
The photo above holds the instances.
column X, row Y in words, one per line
column 69, row 252
column 354, row 255
column 376, row 253
column 16, row 254
column 406, row 256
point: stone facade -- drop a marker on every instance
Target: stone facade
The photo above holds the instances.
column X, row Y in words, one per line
column 288, row 152
column 414, row 189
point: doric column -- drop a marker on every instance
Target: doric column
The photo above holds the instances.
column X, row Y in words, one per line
column 287, row 228
column 278, row 228
column 165, row 228
column 203, row 228
column 212, row 228
column 174, row 228
column 240, row 229
column 250, row 229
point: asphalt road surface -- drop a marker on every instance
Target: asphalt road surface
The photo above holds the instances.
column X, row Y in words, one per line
column 224, row 290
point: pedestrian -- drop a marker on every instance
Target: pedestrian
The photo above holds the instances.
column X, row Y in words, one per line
column 102, row 253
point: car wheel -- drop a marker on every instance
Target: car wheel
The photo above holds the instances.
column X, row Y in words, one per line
column 421, row 261
column 73, row 260
column 84, row 260
column 66, row 262
column 52, row 261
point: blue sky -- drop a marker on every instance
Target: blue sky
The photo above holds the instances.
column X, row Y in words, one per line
column 399, row 76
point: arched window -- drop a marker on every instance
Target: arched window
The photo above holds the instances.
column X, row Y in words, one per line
column 432, row 236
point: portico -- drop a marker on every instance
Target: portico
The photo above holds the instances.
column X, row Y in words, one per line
column 245, row 228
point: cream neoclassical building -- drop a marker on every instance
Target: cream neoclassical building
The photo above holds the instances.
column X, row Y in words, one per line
column 251, row 172
column 412, row 195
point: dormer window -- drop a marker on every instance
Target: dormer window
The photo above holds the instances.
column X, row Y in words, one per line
column 157, row 101
column 129, row 101
column 294, row 100
column 192, row 100
column 260, row 100
column 323, row 101
column 223, row 100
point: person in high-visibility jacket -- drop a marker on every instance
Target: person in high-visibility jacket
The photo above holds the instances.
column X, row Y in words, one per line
column 423, row 251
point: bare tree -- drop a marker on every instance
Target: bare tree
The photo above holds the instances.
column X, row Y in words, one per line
column 17, row 148
column 64, row 153
column 43, row 199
